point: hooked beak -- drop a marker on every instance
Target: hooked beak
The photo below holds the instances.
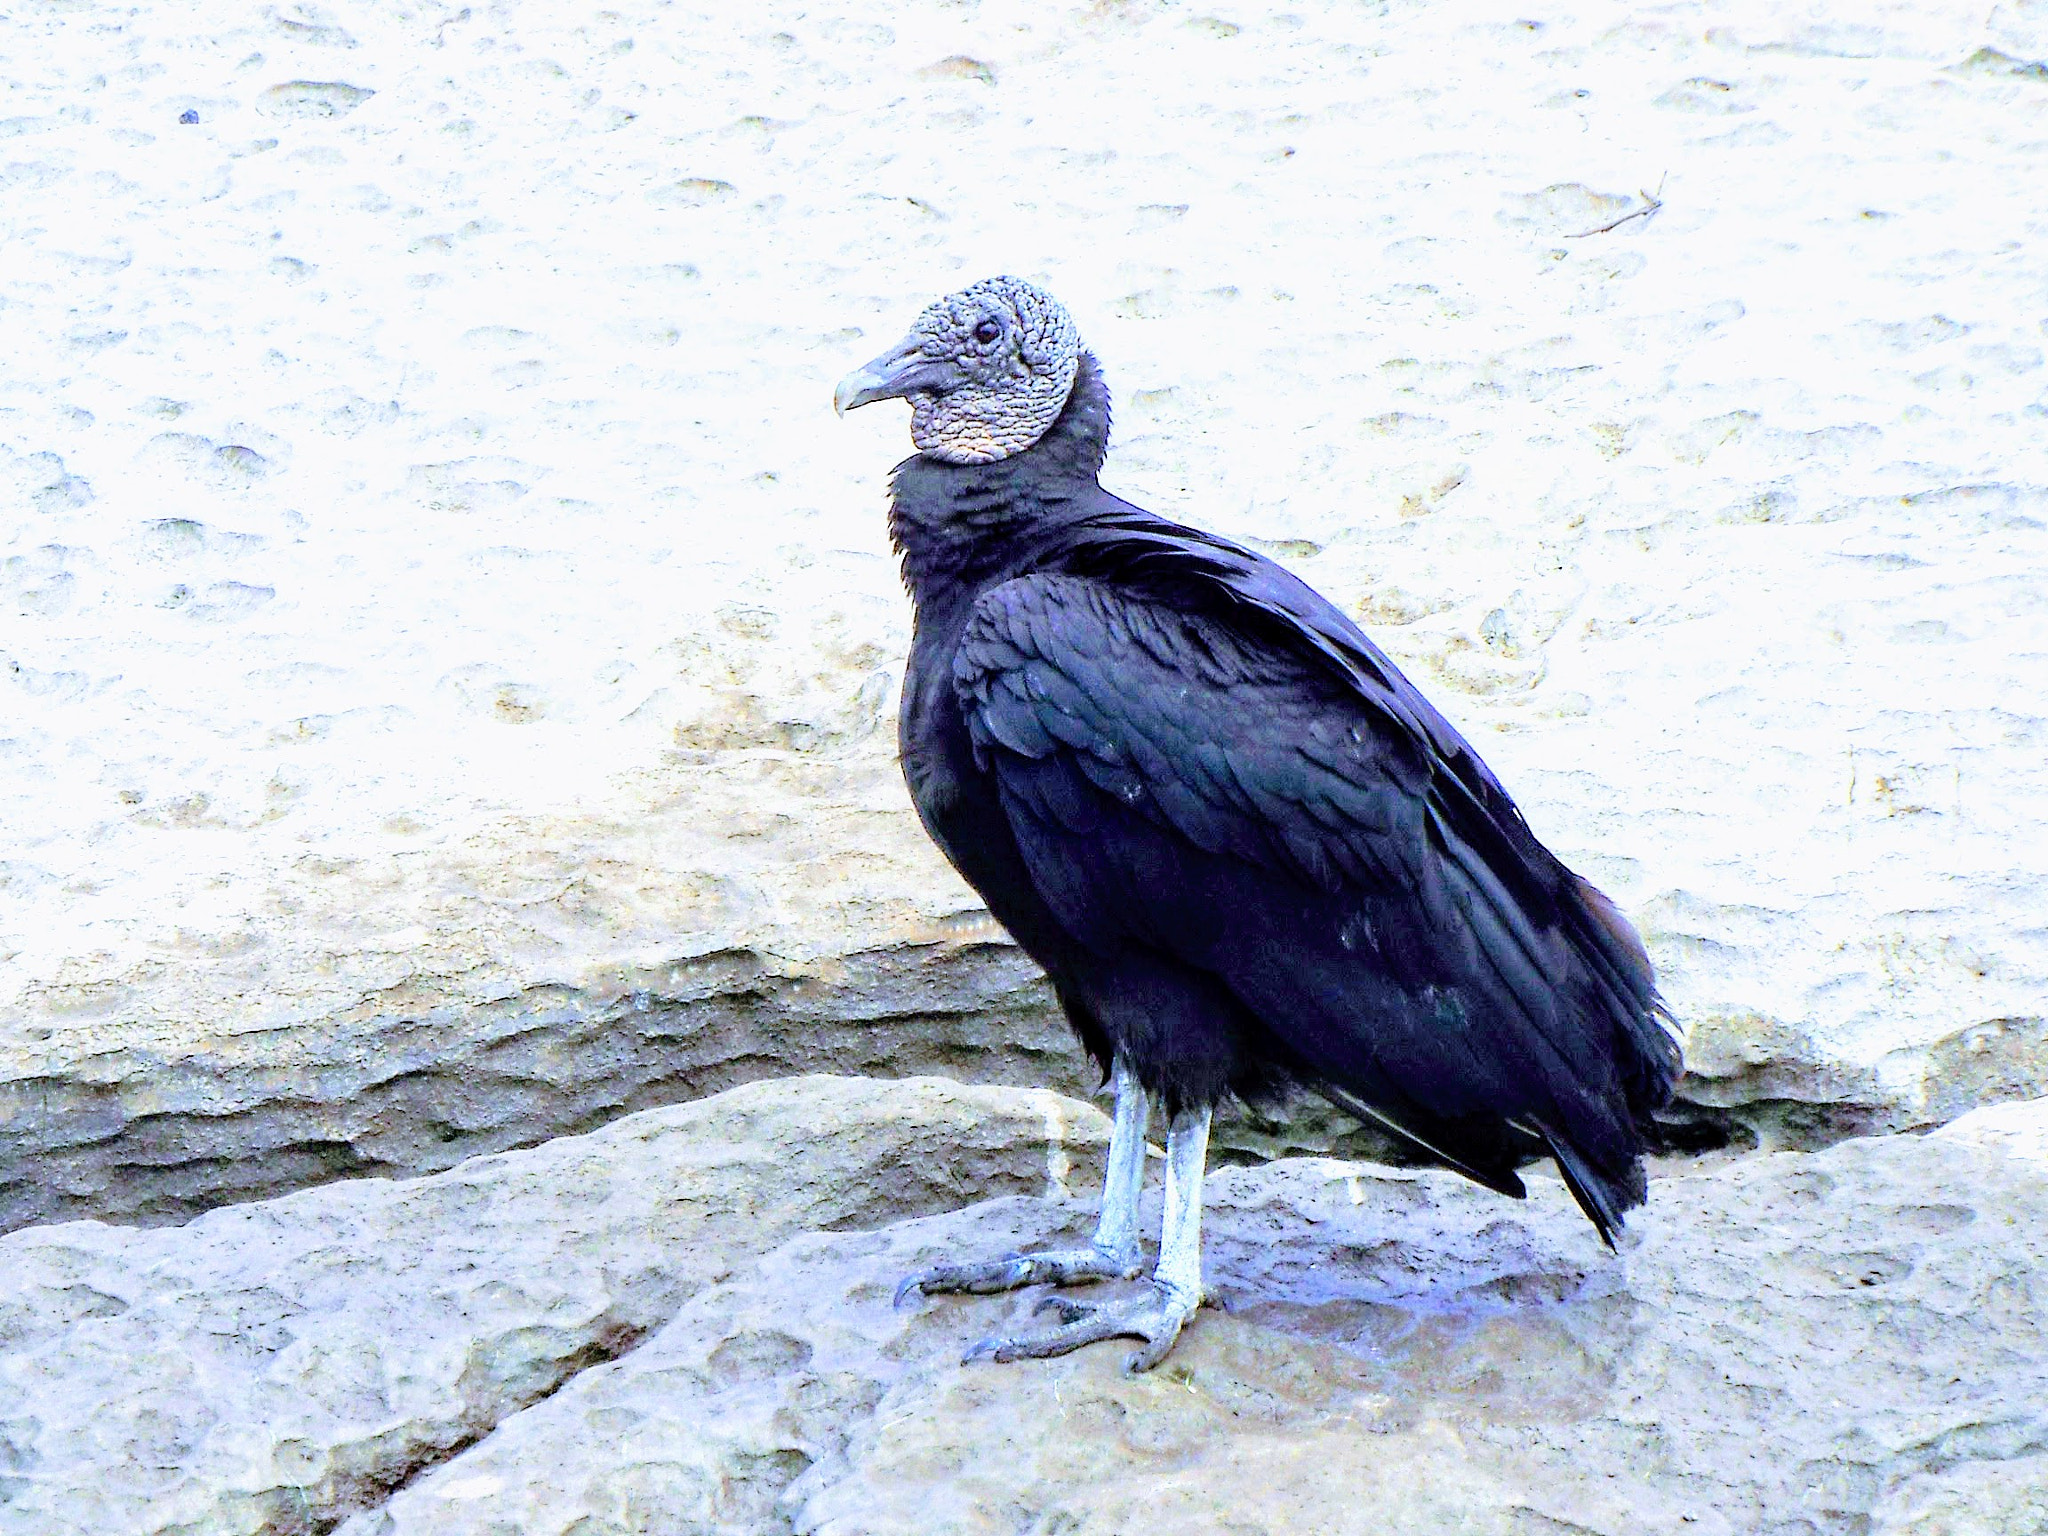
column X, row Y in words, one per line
column 903, row 370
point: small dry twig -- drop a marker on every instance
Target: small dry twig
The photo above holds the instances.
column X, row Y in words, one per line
column 1652, row 201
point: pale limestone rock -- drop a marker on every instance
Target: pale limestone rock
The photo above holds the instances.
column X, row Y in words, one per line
column 1791, row 1342
column 441, row 623
column 645, row 1337
column 270, row 1367
column 1976, row 1498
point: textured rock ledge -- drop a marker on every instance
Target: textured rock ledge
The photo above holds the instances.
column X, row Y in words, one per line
column 269, row 1368
column 150, row 1135
column 139, row 1135
column 634, row 1331
column 1849, row 1341
column 153, row 1135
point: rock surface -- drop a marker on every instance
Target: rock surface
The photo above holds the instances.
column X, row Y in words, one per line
column 271, row 1367
column 1848, row 1341
column 1799, row 1343
column 437, row 610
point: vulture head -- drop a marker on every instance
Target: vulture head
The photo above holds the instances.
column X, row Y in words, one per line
column 986, row 371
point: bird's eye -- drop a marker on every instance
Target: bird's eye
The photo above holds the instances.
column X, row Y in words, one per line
column 987, row 332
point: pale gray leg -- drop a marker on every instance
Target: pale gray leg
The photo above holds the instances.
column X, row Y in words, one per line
column 1180, row 1236
column 1176, row 1289
column 1116, row 1233
column 1114, row 1253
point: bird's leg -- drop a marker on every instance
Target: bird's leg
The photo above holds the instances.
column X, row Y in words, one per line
column 1176, row 1289
column 1114, row 1253
column 1116, row 1229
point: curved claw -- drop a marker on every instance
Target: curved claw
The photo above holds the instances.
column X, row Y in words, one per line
column 981, row 1349
column 1139, row 1361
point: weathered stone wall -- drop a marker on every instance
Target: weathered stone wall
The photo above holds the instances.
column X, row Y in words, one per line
column 439, row 606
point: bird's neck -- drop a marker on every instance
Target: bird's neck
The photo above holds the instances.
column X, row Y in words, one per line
column 960, row 528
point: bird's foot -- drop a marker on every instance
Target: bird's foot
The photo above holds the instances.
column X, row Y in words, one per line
column 1157, row 1316
column 1062, row 1266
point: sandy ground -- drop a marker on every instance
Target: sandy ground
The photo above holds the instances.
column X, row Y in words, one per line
column 432, row 566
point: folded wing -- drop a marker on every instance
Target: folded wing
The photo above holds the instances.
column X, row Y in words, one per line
column 1197, row 760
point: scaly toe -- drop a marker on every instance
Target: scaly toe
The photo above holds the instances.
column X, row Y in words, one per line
column 1070, row 1311
column 1006, row 1273
column 1013, row 1271
column 1157, row 1318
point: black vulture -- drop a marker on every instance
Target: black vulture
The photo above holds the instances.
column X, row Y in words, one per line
column 1249, row 854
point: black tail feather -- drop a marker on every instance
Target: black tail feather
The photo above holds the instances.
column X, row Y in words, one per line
column 1496, row 1172
column 1603, row 1199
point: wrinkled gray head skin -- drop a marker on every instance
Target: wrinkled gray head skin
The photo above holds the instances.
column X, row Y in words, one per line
column 986, row 371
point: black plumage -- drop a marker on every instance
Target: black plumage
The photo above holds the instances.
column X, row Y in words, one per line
column 1247, row 851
